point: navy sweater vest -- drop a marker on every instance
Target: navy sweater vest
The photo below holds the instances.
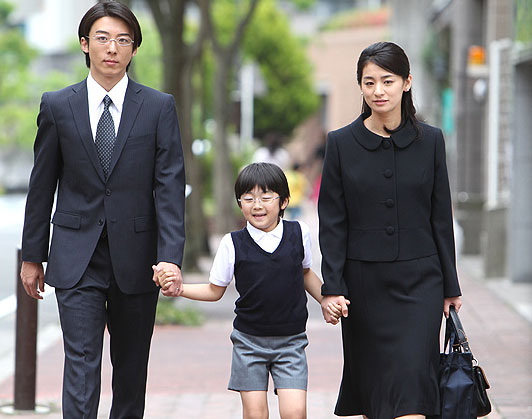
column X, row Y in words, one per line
column 272, row 298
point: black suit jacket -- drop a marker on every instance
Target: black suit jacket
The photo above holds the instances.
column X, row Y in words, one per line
column 141, row 203
column 384, row 200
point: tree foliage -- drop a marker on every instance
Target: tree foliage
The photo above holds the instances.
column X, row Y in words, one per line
column 15, row 58
column 290, row 96
column 20, row 88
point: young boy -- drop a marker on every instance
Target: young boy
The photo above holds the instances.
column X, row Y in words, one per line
column 270, row 259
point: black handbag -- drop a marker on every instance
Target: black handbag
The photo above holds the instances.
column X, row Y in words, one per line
column 463, row 383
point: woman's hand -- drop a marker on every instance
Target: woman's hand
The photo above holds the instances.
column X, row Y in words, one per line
column 451, row 301
column 333, row 307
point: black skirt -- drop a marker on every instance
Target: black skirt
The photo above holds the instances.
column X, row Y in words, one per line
column 391, row 338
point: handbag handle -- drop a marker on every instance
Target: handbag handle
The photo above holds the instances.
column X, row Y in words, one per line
column 458, row 329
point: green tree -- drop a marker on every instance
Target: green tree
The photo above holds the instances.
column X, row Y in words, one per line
column 15, row 97
column 181, row 51
column 225, row 22
column 290, row 96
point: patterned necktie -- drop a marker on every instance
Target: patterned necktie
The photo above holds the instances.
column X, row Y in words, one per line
column 105, row 136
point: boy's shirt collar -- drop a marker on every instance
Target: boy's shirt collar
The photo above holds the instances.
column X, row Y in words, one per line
column 258, row 235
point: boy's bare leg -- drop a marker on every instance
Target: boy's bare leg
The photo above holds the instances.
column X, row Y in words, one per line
column 254, row 404
column 292, row 403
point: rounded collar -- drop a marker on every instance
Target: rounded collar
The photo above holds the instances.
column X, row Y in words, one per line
column 371, row 141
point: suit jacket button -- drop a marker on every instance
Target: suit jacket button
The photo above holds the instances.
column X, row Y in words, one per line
column 390, row 230
column 390, row 203
column 388, row 173
column 108, row 192
column 386, row 144
column 100, row 222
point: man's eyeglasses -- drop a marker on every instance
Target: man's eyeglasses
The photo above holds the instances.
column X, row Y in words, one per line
column 263, row 200
column 123, row 41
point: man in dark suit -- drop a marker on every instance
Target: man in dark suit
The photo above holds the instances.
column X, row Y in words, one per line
column 112, row 150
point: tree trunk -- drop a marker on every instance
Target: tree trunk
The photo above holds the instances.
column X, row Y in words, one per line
column 223, row 169
column 225, row 56
column 179, row 59
column 196, row 232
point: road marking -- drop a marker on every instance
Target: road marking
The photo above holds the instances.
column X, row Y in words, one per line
column 46, row 337
column 8, row 305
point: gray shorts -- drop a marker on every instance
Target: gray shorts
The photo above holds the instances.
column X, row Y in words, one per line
column 254, row 357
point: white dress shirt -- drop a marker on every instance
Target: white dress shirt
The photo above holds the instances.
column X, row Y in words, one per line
column 223, row 266
column 96, row 93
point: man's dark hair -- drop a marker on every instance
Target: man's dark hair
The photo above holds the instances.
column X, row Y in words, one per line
column 267, row 176
column 111, row 9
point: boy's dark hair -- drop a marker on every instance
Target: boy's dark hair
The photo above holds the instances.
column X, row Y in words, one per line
column 267, row 176
column 111, row 9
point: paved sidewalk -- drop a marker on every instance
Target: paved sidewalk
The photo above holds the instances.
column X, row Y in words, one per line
column 189, row 367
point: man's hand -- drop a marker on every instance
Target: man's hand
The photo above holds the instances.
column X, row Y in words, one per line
column 451, row 301
column 334, row 306
column 32, row 276
column 176, row 287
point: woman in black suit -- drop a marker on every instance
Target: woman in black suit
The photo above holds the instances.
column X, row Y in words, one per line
column 386, row 238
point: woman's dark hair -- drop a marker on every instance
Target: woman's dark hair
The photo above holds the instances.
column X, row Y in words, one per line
column 111, row 9
column 267, row 176
column 392, row 58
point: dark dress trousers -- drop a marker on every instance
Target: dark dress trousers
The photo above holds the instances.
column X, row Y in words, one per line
column 107, row 234
column 386, row 238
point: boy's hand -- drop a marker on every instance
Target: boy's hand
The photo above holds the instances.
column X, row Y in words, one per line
column 169, row 280
column 166, row 277
column 333, row 307
column 335, row 310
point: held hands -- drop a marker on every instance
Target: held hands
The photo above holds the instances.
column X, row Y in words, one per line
column 168, row 277
column 333, row 307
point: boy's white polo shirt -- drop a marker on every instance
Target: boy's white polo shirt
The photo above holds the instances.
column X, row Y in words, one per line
column 223, row 266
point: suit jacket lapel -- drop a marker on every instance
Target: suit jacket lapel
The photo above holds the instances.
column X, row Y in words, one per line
column 132, row 104
column 79, row 106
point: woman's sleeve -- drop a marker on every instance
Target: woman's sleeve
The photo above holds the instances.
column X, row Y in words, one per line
column 442, row 221
column 332, row 222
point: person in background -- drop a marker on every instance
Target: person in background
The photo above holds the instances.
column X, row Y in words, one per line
column 111, row 149
column 270, row 259
column 386, row 237
column 298, row 183
column 272, row 151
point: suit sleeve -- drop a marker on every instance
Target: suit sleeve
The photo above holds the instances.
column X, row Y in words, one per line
column 332, row 222
column 43, row 183
column 442, row 221
column 169, row 187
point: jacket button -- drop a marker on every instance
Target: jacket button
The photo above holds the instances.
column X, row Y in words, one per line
column 108, row 192
column 390, row 230
column 386, row 144
column 100, row 222
column 390, row 203
column 388, row 173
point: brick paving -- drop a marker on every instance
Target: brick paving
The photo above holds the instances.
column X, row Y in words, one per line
column 189, row 366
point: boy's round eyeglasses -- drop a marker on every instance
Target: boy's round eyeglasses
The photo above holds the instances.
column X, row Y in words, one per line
column 123, row 41
column 264, row 200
